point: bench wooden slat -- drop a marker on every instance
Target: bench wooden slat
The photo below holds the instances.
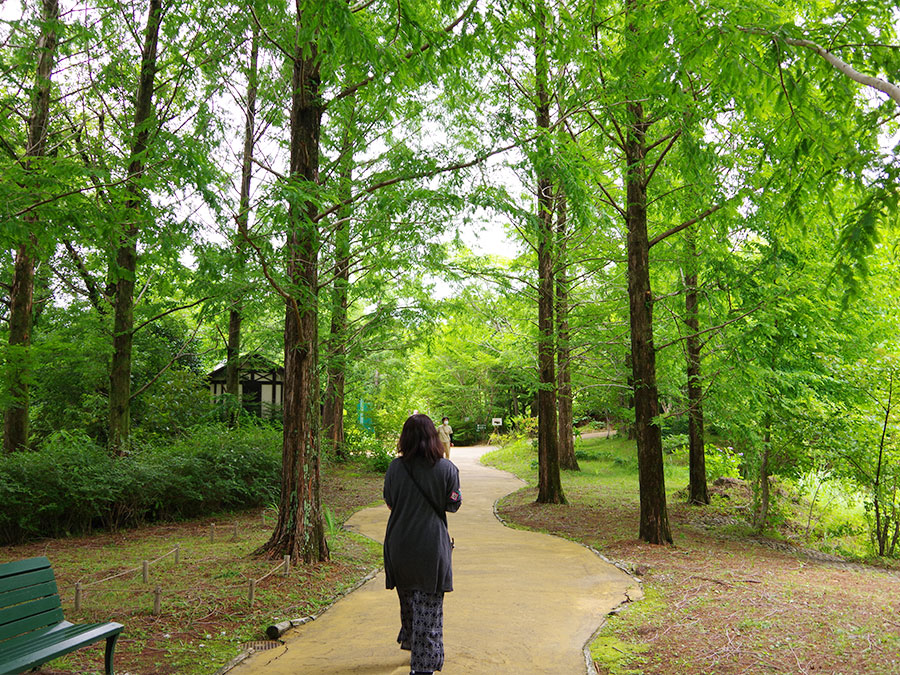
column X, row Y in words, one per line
column 26, row 654
column 13, row 644
column 46, row 589
column 30, row 623
column 27, row 565
column 23, row 610
column 69, row 633
column 24, row 580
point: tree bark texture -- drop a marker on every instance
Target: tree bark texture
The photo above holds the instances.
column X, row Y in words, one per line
column 654, row 527
column 882, row 513
column 567, row 459
column 15, row 419
column 699, row 493
column 333, row 409
column 21, row 297
column 300, row 529
column 549, row 482
column 235, row 315
column 125, row 272
column 762, row 511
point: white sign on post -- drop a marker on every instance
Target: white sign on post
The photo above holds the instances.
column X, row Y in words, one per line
column 497, row 421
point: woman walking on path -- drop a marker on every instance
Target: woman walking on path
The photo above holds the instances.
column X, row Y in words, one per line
column 419, row 488
column 445, row 433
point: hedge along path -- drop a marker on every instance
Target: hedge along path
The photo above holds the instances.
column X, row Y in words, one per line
column 524, row 602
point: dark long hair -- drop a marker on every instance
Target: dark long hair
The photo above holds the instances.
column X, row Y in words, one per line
column 419, row 438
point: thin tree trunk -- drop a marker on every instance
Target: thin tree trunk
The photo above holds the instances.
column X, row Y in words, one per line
column 235, row 315
column 125, row 270
column 333, row 421
column 697, row 455
column 333, row 410
column 654, row 527
column 43, row 293
column 567, row 459
column 881, row 529
column 300, row 530
column 549, row 482
column 15, row 419
column 762, row 513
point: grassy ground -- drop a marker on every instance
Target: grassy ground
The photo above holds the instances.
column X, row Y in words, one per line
column 205, row 617
column 721, row 600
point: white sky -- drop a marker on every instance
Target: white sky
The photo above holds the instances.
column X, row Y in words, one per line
column 10, row 9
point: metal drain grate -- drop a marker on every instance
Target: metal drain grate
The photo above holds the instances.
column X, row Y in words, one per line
column 262, row 645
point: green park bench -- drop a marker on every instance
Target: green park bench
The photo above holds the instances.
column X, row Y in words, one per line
column 32, row 628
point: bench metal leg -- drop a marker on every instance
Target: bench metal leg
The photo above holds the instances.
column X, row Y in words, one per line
column 110, row 648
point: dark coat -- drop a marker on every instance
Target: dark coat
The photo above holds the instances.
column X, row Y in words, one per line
column 416, row 542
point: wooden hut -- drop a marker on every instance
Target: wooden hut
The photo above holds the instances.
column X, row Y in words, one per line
column 261, row 384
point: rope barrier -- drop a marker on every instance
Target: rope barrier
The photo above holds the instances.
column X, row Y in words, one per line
column 114, row 576
column 165, row 555
column 284, row 566
column 144, row 565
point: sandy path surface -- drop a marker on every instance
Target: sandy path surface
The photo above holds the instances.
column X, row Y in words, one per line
column 523, row 603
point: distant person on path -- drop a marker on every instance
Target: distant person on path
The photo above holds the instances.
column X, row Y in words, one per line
column 445, row 433
column 420, row 486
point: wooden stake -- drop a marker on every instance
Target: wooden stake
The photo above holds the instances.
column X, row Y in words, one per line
column 157, row 601
column 287, row 565
column 212, row 532
column 177, row 553
column 234, row 537
column 146, row 571
column 78, row 596
column 252, row 591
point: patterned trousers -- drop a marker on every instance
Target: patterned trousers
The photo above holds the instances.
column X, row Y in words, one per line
column 422, row 628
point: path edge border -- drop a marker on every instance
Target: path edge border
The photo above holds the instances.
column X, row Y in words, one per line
column 638, row 583
column 296, row 623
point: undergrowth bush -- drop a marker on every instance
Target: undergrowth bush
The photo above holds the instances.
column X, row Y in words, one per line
column 722, row 462
column 71, row 485
column 366, row 446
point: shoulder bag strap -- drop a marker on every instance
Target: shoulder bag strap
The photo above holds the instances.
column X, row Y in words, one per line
column 441, row 514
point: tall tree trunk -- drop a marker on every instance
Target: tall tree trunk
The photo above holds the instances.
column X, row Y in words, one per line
column 628, row 403
column 300, row 530
column 567, row 459
column 881, row 528
column 15, row 419
column 697, row 455
column 549, row 482
column 125, row 271
column 235, row 315
column 762, row 512
column 333, row 410
column 654, row 527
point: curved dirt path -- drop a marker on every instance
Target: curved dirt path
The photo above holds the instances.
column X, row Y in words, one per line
column 524, row 602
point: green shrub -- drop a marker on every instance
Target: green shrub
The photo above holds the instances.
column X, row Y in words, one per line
column 65, row 488
column 367, row 446
column 722, row 462
column 525, row 425
column 673, row 443
column 380, row 457
column 71, row 485
column 593, row 455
